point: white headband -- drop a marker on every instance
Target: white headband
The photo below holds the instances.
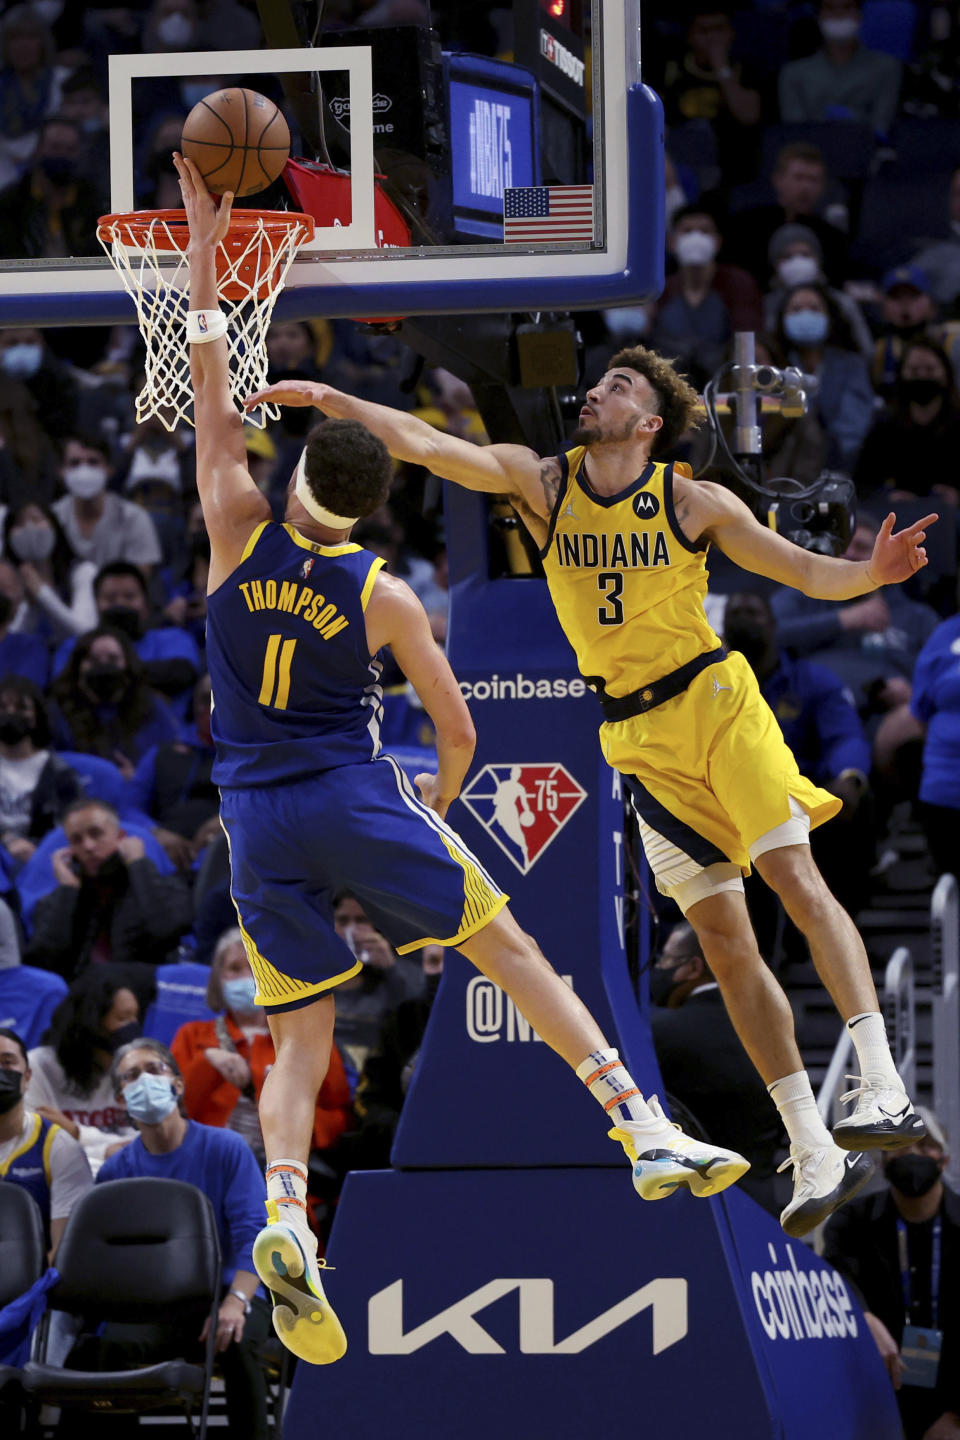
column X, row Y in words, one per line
column 314, row 509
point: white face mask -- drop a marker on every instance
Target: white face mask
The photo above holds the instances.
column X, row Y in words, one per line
column 627, row 321
column 673, row 200
column 85, row 481
column 34, row 541
column 844, row 27
column 48, row 10
column 798, row 270
column 175, row 30
column 694, row 247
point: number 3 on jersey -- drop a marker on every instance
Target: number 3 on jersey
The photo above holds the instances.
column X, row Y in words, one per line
column 275, row 685
column 610, row 584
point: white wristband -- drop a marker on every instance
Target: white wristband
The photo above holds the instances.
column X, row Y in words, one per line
column 204, row 325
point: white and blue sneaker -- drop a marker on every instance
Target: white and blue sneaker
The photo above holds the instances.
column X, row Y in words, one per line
column 823, row 1178
column 285, row 1258
column 883, row 1118
column 675, row 1159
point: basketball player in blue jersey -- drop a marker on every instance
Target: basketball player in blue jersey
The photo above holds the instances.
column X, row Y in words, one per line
column 623, row 539
column 296, row 618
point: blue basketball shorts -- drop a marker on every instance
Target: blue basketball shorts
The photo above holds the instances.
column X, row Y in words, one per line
column 360, row 828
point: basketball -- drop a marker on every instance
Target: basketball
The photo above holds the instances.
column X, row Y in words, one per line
column 237, row 139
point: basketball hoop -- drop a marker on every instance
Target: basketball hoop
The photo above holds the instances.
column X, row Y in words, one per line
column 148, row 250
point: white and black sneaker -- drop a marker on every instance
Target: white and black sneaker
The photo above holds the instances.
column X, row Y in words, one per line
column 883, row 1118
column 823, row 1178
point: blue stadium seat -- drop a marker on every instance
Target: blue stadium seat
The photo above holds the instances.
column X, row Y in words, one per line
column 888, row 25
column 28, row 998
column 896, row 213
column 924, row 146
column 181, row 996
column 846, row 147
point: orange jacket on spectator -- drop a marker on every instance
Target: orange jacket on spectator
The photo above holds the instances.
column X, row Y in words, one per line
column 211, row 1099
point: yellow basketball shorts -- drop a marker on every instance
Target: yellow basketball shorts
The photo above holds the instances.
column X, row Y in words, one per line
column 710, row 772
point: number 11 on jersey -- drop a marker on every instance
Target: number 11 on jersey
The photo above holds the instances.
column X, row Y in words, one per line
column 275, row 685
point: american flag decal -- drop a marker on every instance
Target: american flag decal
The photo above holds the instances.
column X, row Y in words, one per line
column 556, row 213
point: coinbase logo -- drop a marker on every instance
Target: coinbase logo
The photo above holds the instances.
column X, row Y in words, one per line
column 795, row 1304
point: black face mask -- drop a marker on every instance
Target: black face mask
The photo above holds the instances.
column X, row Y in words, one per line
column 106, row 683
column 921, row 391
column 751, row 640
column 58, row 169
column 6, row 609
column 663, row 982
column 124, row 618
column 112, row 1040
column 913, row 1175
column 13, row 727
column 11, row 1089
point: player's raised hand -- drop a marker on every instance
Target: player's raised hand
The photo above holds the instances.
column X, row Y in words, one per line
column 288, row 392
column 897, row 557
column 208, row 221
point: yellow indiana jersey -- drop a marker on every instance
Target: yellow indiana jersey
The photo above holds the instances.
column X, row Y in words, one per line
column 627, row 584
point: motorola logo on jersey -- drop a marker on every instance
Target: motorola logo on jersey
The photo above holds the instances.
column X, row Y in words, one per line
column 523, row 807
column 645, row 505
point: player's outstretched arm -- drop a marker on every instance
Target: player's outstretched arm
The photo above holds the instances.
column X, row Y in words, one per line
column 232, row 505
column 396, row 618
column 710, row 511
column 494, row 469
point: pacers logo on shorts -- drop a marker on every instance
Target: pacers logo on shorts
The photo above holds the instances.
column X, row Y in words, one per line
column 523, row 807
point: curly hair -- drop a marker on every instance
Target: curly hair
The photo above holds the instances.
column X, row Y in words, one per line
column 133, row 711
column 675, row 400
column 349, row 470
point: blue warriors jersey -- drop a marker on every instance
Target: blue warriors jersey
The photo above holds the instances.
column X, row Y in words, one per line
column 295, row 689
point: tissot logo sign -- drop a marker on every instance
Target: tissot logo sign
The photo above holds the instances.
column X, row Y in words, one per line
column 523, row 807
column 557, row 53
column 666, row 1298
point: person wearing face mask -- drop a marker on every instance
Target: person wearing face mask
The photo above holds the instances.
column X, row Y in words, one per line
column 703, row 302
column 908, row 312
column 843, row 80
column 706, row 1068
column 102, row 704
column 52, row 210
column 173, row 784
column 148, row 1083
column 110, row 904
column 899, row 1250
column 29, row 85
column 796, row 258
column 36, row 1153
column 100, row 525
column 912, row 448
column 51, row 390
column 814, row 337
column 36, row 786
column 69, row 1080
column 20, row 654
column 225, row 1061
column 57, row 589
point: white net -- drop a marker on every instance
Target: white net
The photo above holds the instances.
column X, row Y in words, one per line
column 252, row 265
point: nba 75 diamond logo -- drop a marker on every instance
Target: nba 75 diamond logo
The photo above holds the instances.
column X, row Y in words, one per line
column 522, row 807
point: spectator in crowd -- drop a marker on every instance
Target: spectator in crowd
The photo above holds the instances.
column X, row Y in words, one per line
column 58, row 587
column 70, row 1072
column 173, row 784
column 707, row 85
column 703, row 302
column 50, row 385
column 84, row 104
column 110, row 903
column 912, row 449
column 940, row 259
column 29, row 87
column 169, row 656
column 225, row 1061
column 813, row 336
column 705, row 1067
column 799, row 182
column 386, row 979
column 935, row 706
column 52, row 211
column 908, row 313
column 28, row 457
column 20, row 654
column 796, row 258
column 870, row 644
column 899, row 1250
column 100, row 525
column 820, row 724
column 147, row 1082
column 36, row 1153
column 36, row 786
column 103, row 705
column 844, row 80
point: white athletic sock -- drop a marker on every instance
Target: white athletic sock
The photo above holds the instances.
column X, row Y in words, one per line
column 611, row 1084
column 287, row 1191
column 869, row 1035
column 793, row 1097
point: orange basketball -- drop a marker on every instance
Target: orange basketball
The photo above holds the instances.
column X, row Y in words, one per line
column 237, row 139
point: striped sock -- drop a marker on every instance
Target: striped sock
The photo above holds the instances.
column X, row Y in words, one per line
column 287, row 1191
column 611, row 1084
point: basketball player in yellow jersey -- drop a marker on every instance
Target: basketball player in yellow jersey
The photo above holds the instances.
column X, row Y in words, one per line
column 715, row 789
